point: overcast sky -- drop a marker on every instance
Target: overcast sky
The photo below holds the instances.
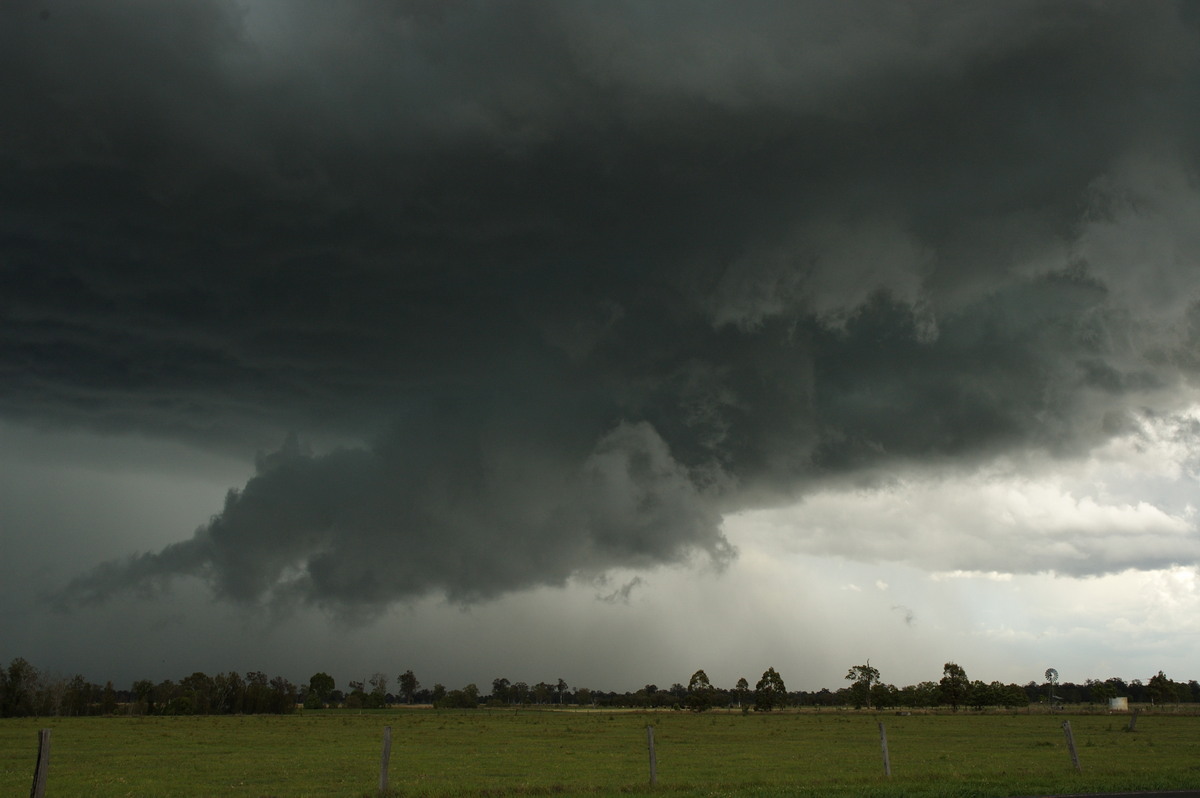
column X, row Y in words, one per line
column 600, row 341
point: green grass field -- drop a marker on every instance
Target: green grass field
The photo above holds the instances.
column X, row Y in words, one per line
column 500, row 753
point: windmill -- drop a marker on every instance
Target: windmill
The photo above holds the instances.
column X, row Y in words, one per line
column 1051, row 680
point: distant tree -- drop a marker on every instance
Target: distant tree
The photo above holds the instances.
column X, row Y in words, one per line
column 143, row 692
column 502, row 691
column 408, row 686
column 700, row 692
column 742, row 690
column 258, row 693
column 583, row 696
column 954, row 685
column 466, row 698
column 1100, row 692
column 542, row 691
column 561, row 688
column 357, row 699
column 78, row 696
column 980, row 695
column 282, row 700
column 884, row 695
column 769, row 692
column 1011, row 695
column 230, row 693
column 320, row 686
column 108, row 700
column 438, row 693
column 20, row 688
column 166, row 697
column 862, row 678
column 198, row 691
column 1161, row 689
column 377, row 698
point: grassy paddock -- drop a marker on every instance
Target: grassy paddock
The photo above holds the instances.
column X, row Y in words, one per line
column 498, row 753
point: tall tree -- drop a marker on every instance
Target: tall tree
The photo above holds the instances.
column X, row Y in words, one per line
column 1161, row 689
column 862, row 678
column 408, row 685
column 699, row 692
column 954, row 685
column 20, row 688
column 742, row 688
column 379, row 687
column 320, row 685
column 769, row 692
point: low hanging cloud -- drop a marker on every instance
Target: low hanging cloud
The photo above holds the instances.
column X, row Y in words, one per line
column 556, row 286
column 361, row 528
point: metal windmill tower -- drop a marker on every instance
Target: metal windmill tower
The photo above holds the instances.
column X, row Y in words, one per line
column 1051, row 681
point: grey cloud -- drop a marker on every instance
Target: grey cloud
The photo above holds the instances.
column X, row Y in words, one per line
column 910, row 617
column 433, row 509
column 622, row 593
column 659, row 263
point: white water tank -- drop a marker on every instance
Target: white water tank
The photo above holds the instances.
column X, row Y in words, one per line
column 1118, row 704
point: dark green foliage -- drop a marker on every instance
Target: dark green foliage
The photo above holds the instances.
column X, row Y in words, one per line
column 954, row 686
column 408, row 686
column 466, row 698
column 862, row 678
column 769, row 693
column 700, row 692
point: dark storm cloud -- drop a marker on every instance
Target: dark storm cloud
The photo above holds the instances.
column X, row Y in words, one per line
column 582, row 276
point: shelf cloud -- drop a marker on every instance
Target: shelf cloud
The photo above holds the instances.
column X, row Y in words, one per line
column 538, row 291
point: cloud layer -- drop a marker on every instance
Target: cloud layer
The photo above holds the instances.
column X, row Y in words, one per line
column 558, row 285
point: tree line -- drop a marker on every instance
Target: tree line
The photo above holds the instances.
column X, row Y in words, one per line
column 26, row 691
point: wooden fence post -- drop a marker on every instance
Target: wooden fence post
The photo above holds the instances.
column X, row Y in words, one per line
column 653, row 761
column 1071, row 745
column 887, row 762
column 38, row 790
column 1133, row 719
column 383, row 764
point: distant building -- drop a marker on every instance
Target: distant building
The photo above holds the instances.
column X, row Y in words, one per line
column 1118, row 704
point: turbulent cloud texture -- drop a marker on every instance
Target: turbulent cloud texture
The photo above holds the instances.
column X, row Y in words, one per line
column 557, row 285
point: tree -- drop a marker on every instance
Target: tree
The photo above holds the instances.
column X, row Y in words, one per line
column 231, row 692
column 542, row 691
column 408, row 685
column 466, row 698
column 699, row 692
column 1161, row 689
column 560, row 688
column 282, row 698
column 862, row 678
column 20, row 686
column 954, row 685
column 143, row 691
column 108, row 699
column 378, row 696
column 358, row 695
column 742, row 688
column 769, row 692
column 198, row 691
column 1100, row 692
column 320, row 685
